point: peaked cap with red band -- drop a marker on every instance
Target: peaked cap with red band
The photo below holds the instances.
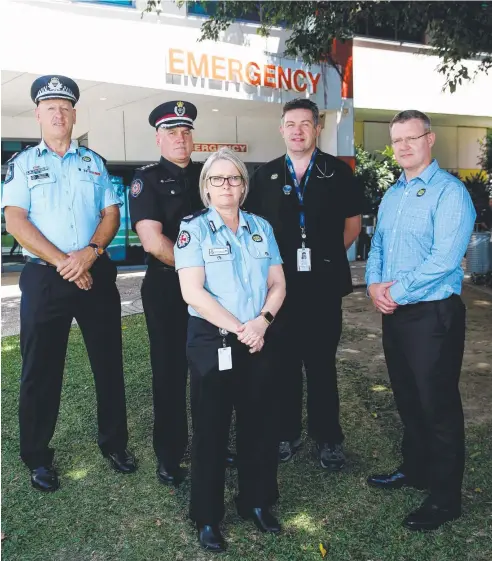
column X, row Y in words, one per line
column 173, row 114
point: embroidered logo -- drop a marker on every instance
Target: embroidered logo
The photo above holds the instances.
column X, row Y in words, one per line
column 184, row 239
column 180, row 109
column 420, row 192
column 136, row 187
column 257, row 238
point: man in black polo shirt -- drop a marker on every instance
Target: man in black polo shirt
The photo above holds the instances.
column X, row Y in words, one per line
column 314, row 206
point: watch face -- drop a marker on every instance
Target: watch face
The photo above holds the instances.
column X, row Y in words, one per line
column 100, row 251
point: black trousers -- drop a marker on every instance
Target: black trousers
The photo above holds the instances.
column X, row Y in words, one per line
column 307, row 331
column 48, row 305
column 166, row 316
column 249, row 388
column 424, row 344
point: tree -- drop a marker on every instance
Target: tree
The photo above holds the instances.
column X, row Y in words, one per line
column 456, row 31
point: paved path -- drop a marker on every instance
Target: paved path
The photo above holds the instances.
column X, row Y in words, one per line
column 129, row 283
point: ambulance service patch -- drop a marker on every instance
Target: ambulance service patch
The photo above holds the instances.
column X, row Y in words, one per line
column 10, row 173
column 257, row 238
column 136, row 187
column 183, row 239
column 420, row 192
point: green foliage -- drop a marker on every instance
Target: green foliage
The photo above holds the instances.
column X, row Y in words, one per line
column 480, row 189
column 456, row 31
column 375, row 175
column 485, row 159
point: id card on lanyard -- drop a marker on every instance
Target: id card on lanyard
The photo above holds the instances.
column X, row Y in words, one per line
column 303, row 253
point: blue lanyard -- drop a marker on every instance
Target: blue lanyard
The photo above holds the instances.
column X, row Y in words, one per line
column 300, row 193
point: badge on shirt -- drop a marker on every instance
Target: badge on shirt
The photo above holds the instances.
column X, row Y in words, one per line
column 274, row 176
column 218, row 251
column 184, row 239
column 86, row 158
column 10, row 173
column 257, row 238
column 136, row 187
column 420, row 192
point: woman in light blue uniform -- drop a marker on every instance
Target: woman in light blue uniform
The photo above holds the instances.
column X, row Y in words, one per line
column 231, row 276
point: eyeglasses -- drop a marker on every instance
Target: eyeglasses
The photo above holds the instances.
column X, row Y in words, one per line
column 407, row 139
column 232, row 180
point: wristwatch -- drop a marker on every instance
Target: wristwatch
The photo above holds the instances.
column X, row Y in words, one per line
column 98, row 250
column 268, row 317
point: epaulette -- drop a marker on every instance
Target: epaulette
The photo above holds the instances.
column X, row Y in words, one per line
column 94, row 152
column 190, row 217
column 148, row 166
column 12, row 158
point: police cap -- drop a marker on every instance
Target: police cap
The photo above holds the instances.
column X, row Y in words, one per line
column 173, row 114
column 54, row 87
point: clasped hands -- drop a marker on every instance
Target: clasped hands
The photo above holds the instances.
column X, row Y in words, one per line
column 75, row 267
column 381, row 297
column 252, row 333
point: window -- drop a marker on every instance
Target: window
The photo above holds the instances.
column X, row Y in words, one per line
column 122, row 3
column 210, row 8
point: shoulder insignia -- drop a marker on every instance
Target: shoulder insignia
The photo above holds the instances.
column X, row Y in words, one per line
column 136, row 187
column 94, row 152
column 148, row 166
column 14, row 156
column 190, row 217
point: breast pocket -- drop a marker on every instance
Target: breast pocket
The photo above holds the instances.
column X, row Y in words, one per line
column 220, row 270
column 416, row 220
column 260, row 261
column 90, row 193
column 43, row 192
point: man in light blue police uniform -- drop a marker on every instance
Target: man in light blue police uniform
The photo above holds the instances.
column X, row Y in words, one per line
column 60, row 205
column 414, row 279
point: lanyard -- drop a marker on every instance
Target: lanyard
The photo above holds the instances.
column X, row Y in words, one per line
column 300, row 193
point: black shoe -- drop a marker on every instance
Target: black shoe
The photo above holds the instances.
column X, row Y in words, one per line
column 287, row 448
column 262, row 518
column 45, row 478
column 170, row 476
column 122, row 461
column 231, row 459
column 430, row 516
column 395, row 480
column 210, row 538
column 331, row 457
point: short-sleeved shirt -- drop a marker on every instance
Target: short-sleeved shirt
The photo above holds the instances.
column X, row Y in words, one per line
column 63, row 195
column 165, row 193
column 236, row 265
column 331, row 196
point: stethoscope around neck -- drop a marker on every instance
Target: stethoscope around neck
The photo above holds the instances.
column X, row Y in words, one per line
column 287, row 189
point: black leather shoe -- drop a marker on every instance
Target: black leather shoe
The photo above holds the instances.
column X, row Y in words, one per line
column 231, row 459
column 287, row 449
column 122, row 461
column 210, row 538
column 45, row 478
column 430, row 516
column 170, row 476
column 395, row 480
column 262, row 518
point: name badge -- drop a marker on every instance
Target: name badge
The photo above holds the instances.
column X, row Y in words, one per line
column 304, row 259
column 218, row 251
column 225, row 358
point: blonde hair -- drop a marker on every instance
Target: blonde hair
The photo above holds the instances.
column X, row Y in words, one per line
column 230, row 156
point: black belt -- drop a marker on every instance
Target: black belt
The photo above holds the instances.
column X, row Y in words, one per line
column 38, row 261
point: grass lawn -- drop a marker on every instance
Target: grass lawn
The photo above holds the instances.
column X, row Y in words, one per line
column 101, row 515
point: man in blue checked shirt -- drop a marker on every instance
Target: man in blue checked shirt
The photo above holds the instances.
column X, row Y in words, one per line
column 60, row 205
column 414, row 278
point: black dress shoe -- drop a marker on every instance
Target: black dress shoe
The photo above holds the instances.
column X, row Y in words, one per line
column 122, row 461
column 395, row 480
column 210, row 538
column 231, row 459
column 170, row 476
column 45, row 478
column 430, row 516
column 262, row 518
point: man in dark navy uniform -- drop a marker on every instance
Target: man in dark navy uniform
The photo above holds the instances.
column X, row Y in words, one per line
column 311, row 200
column 162, row 194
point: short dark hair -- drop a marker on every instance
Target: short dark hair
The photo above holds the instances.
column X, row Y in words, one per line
column 409, row 114
column 302, row 103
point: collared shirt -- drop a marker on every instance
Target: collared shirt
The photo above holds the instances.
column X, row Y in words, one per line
column 165, row 193
column 331, row 195
column 424, row 226
column 63, row 195
column 236, row 265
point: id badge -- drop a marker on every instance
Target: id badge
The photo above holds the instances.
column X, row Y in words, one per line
column 304, row 259
column 225, row 358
